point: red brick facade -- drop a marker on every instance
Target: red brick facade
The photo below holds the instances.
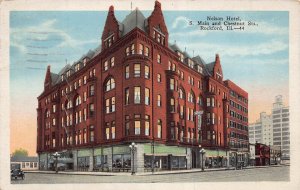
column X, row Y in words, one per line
column 165, row 87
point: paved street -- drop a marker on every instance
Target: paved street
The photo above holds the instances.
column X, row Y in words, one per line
column 257, row 174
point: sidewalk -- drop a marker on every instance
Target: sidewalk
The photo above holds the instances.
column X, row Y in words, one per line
column 148, row 173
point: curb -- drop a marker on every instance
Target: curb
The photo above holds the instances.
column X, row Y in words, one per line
column 149, row 173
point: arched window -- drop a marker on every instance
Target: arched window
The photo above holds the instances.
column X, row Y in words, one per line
column 110, row 84
column 69, row 104
column 78, row 101
column 181, row 94
column 191, row 97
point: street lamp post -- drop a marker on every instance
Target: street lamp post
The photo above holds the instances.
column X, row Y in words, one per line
column 202, row 152
column 133, row 148
column 56, row 155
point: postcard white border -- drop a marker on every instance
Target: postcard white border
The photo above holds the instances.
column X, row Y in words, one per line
column 293, row 6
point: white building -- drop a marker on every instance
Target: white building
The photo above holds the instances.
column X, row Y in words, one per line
column 281, row 131
column 262, row 130
column 24, row 162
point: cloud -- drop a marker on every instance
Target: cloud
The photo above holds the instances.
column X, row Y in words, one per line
column 209, row 49
column 180, row 20
column 45, row 33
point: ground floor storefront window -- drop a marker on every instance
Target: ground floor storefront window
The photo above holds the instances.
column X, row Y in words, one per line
column 167, row 162
column 83, row 163
column 215, row 162
column 121, row 162
column 100, row 163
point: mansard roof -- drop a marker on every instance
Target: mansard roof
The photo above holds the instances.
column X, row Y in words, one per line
column 133, row 20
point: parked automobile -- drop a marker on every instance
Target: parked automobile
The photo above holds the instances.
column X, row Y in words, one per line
column 17, row 173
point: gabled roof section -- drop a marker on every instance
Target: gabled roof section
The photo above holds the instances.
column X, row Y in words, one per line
column 133, row 20
column 174, row 47
column 210, row 67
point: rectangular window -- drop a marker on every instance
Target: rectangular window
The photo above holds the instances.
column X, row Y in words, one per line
column 147, row 72
column 147, row 125
column 172, row 105
column 207, row 102
column 92, row 134
column 105, row 65
column 181, row 112
column 112, row 61
column 141, row 49
column 213, row 118
column 107, row 105
column 147, row 51
column 137, row 70
column 172, row 84
column 127, row 51
column 137, row 95
column 158, row 58
column 126, row 96
column 137, row 125
column 212, row 102
column 159, row 124
column 127, row 125
column 107, row 131
column 132, row 49
column 208, row 118
column 54, row 108
column 159, row 100
column 158, row 78
column 147, row 96
column 84, row 79
column 127, row 72
column 113, row 130
column 113, row 104
column 84, row 96
column 92, row 90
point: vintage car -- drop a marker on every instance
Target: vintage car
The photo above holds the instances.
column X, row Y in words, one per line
column 17, row 173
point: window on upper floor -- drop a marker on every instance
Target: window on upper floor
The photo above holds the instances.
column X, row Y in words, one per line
column 172, row 105
column 91, row 110
column 132, row 49
column 77, row 101
column 141, row 49
column 107, row 131
column 92, row 90
column 159, row 128
column 146, row 51
column 147, row 72
column 137, row 70
column 158, row 58
column 105, row 65
column 77, row 67
column 191, row 63
column 147, row 125
column 158, row 78
column 110, row 84
column 127, row 125
column 113, row 129
column 181, row 94
column 191, row 97
column 172, row 84
column 147, row 96
column 137, row 124
column 112, row 61
column 137, row 95
column 159, row 100
column 127, row 96
column 127, row 73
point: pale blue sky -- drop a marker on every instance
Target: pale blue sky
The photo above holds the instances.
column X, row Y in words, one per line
column 256, row 58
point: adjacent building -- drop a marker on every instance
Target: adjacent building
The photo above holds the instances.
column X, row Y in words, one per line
column 262, row 130
column 281, row 127
column 137, row 87
column 24, row 162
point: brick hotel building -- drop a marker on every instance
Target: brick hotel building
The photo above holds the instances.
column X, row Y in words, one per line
column 137, row 87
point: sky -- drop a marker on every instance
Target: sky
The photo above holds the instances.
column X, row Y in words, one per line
column 255, row 58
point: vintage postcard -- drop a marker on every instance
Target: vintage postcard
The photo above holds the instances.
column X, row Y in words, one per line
column 149, row 94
